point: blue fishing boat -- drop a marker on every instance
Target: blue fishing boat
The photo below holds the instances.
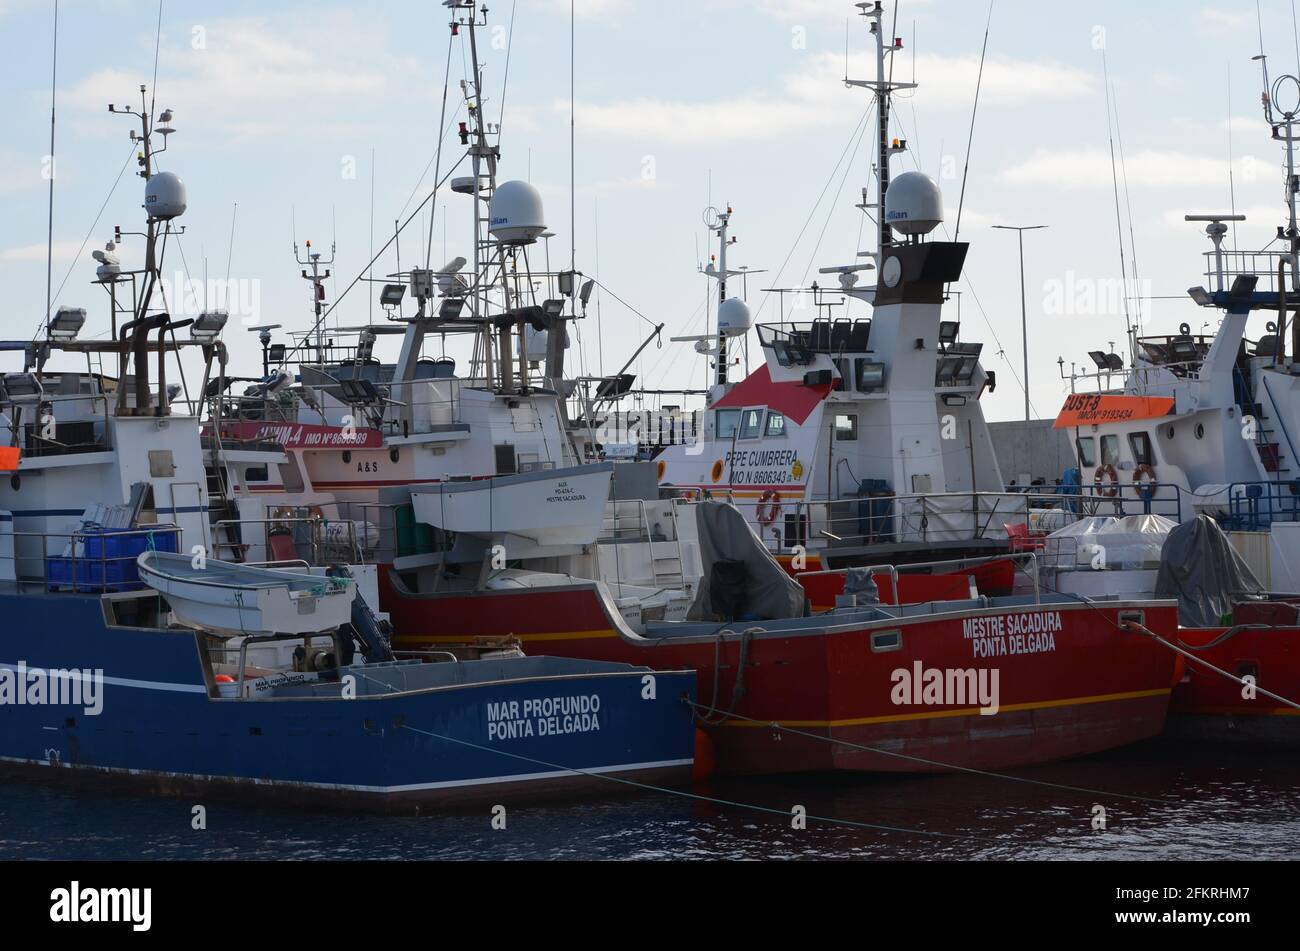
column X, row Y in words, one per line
column 130, row 653
column 95, row 687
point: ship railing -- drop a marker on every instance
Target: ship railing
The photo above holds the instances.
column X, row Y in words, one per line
column 1027, row 562
column 1120, row 500
column 42, row 423
column 950, row 517
column 1256, row 506
column 88, row 560
column 1222, row 267
column 615, row 528
column 1139, row 378
column 384, row 518
column 317, row 540
column 881, row 518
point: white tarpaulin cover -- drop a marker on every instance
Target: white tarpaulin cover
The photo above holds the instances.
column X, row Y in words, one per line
column 1134, row 541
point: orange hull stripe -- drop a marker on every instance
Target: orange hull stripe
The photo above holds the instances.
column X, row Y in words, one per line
column 965, row 712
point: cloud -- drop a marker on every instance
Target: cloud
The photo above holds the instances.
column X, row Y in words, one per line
column 1215, row 17
column 63, row 251
column 18, row 172
column 250, row 77
column 1091, row 168
column 808, row 97
column 584, row 9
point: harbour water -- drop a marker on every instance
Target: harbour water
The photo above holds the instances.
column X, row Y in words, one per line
column 1194, row 804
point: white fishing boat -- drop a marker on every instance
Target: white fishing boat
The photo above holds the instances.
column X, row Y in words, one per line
column 549, row 506
column 243, row 599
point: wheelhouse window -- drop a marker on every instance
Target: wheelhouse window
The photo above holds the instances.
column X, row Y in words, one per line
column 1110, row 450
column 1143, row 453
column 256, row 474
column 775, row 424
column 751, row 423
column 846, row 427
column 726, row 422
column 1087, row 447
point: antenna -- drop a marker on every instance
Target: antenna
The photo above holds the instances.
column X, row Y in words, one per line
column 1119, row 221
column 979, row 82
column 49, row 248
column 230, row 251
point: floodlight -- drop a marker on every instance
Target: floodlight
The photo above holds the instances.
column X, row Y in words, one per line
column 67, row 323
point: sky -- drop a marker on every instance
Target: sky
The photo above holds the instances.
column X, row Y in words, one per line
column 320, row 121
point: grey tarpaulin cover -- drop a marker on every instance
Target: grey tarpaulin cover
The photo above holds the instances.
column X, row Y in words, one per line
column 724, row 535
column 1199, row 567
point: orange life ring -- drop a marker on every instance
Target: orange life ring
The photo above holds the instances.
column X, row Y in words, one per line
column 717, row 470
column 769, row 507
column 1145, row 490
column 663, row 467
column 1113, row 490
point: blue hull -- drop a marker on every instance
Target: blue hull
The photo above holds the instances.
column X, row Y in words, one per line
column 476, row 737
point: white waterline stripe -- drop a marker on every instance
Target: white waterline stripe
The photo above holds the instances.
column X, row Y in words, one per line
column 410, row 787
column 77, row 674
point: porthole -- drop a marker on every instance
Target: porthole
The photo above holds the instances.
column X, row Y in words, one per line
column 15, row 482
column 1169, row 431
column 1200, row 431
column 347, row 456
column 394, row 454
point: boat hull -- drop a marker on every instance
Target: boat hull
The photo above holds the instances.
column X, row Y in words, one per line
column 1086, row 688
column 1208, row 707
column 158, row 729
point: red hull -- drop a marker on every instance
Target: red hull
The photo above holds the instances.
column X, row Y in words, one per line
column 1211, row 707
column 1093, row 688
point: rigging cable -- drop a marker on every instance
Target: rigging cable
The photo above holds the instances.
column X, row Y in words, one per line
column 970, row 139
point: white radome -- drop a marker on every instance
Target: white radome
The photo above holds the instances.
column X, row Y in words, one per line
column 515, row 213
column 164, row 196
column 733, row 317
column 913, row 204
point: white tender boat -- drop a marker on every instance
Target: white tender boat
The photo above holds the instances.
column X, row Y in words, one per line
column 549, row 506
column 242, row 599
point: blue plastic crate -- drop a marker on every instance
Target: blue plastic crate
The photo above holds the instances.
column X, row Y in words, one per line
column 108, row 562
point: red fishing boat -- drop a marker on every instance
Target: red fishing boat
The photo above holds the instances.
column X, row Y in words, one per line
column 982, row 683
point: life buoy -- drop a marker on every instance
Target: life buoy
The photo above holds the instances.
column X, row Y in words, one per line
column 769, row 507
column 717, row 470
column 1097, row 481
column 1146, row 490
column 662, row 467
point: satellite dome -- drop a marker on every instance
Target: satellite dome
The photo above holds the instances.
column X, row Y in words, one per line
column 913, row 204
column 733, row 317
column 515, row 213
column 164, row 196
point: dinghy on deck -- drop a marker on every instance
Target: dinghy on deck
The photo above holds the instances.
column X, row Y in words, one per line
column 243, row 599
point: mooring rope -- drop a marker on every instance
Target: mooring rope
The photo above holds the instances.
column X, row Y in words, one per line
column 785, row 813
column 1139, row 629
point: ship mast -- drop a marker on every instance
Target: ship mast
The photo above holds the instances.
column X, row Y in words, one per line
column 883, row 88
column 313, row 260
column 719, row 222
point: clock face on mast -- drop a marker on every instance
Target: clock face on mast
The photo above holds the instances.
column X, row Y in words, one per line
column 892, row 272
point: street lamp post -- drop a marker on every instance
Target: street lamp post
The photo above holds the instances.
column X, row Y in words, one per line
column 1024, row 318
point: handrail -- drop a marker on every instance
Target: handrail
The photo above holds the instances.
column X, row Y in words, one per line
column 1278, row 416
column 82, row 576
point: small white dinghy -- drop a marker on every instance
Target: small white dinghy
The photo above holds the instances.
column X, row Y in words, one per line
column 242, row 599
column 547, row 506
